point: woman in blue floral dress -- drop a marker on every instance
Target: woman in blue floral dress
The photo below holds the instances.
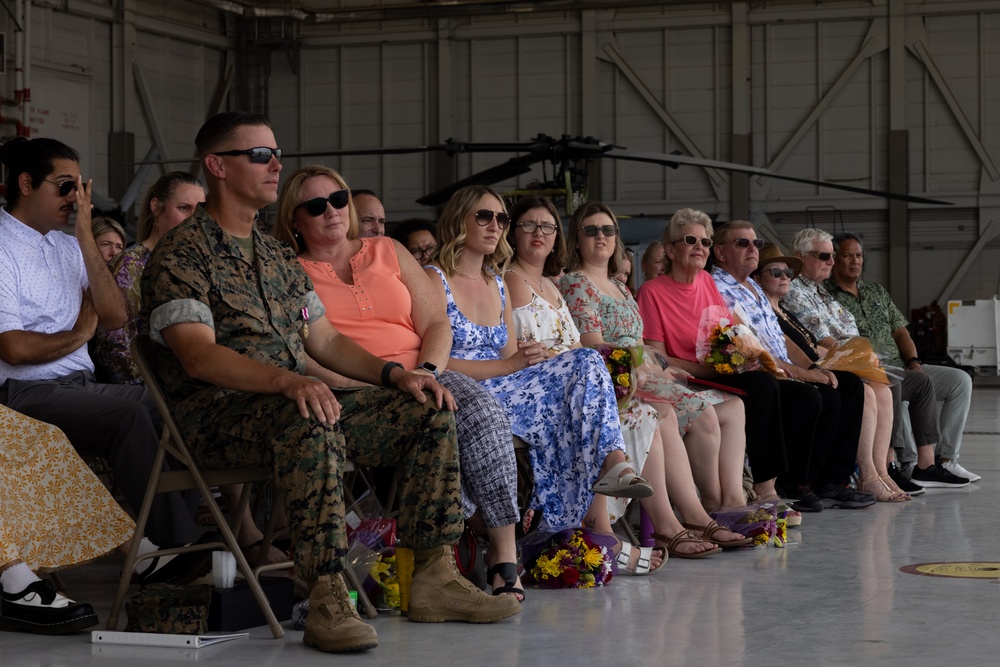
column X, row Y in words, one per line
column 563, row 408
column 653, row 442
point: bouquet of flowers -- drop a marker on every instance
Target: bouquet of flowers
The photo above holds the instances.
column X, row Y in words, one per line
column 761, row 523
column 570, row 558
column 638, row 372
column 729, row 348
column 855, row 355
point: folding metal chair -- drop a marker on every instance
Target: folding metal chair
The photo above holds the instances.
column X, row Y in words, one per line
column 186, row 475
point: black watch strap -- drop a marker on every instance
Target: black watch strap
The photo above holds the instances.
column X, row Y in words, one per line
column 387, row 371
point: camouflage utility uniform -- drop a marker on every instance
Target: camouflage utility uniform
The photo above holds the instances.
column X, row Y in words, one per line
column 253, row 296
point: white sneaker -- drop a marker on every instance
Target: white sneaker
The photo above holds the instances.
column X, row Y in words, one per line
column 956, row 469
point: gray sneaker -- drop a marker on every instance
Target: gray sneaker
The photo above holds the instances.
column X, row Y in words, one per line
column 842, row 496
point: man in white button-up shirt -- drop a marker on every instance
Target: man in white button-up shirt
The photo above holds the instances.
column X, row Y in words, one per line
column 55, row 290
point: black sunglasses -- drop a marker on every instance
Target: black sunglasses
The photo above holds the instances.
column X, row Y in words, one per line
column 777, row 273
column 821, row 256
column 694, row 240
column 317, row 205
column 258, row 155
column 745, row 243
column 65, row 187
column 485, row 217
column 607, row 230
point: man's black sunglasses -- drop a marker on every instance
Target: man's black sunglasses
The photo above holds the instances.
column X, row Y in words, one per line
column 65, row 187
column 317, row 205
column 259, row 155
column 745, row 243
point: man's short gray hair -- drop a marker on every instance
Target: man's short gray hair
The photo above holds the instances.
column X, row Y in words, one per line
column 806, row 238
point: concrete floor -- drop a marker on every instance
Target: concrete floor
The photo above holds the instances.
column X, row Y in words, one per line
column 835, row 597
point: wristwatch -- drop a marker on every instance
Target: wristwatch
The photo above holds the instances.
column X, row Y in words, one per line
column 430, row 368
column 914, row 360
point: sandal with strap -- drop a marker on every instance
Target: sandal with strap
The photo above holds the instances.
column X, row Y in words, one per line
column 628, row 485
column 881, row 491
column 686, row 536
column 644, row 565
column 708, row 533
column 508, row 572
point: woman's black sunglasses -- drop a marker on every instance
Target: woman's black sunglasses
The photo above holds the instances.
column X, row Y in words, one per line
column 777, row 273
column 317, row 205
column 607, row 230
column 485, row 217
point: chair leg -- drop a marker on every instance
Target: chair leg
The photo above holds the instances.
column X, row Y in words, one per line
column 363, row 600
column 133, row 551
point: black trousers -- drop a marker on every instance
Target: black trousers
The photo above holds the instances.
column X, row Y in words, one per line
column 119, row 423
column 837, row 430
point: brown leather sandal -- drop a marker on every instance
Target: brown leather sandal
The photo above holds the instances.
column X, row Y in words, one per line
column 686, row 536
column 708, row 533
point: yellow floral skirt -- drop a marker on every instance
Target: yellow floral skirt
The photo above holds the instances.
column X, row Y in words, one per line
column 54, row 512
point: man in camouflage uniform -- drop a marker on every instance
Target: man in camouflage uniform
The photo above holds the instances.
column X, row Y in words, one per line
column 236, row 317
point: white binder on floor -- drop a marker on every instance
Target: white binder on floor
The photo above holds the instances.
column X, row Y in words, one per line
column 161, row 640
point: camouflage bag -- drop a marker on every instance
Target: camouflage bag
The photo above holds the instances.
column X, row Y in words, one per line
column 169, row 609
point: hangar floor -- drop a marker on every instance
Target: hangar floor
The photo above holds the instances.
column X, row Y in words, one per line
column 837, row 596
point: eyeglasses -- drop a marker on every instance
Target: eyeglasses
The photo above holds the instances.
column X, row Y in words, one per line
column 821, row 256
column 65, row 187
column 607, row 230
column 693, row 240
column 745, row 243
column 529, row 227
column 425, row 251
column 777, row 273
column 317, row 205
column 258, row 155
column 485, row 217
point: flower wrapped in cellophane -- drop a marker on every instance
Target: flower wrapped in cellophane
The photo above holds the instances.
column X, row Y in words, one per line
column 728, row 347
column 569, row 558
column 761, row 523
column 856, row 355
column 638, row 372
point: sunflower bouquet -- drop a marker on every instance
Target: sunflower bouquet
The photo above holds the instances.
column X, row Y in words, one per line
column 620, row 362
column 570, row 558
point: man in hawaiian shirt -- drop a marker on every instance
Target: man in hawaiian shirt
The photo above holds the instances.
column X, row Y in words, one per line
column 937, row 439
column 811, row 407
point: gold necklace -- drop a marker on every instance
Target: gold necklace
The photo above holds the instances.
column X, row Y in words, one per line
column 520, row 269
column 466, row 275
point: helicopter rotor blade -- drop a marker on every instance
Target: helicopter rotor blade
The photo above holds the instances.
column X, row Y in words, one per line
column 672, row 160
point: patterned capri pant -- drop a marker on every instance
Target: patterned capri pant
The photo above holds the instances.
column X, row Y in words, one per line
column 485, row 450
column 377, row 427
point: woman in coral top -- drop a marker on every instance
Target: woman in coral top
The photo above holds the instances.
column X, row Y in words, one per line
column 375, row 293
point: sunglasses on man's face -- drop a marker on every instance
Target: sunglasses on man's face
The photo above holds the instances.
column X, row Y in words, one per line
column 258, row 155
column 485, row 217
column 65, row 187
column 821, row 256
column 745, row 243
column 777, row 273
column 694, row 240
column 607, row 230
column 317, row 205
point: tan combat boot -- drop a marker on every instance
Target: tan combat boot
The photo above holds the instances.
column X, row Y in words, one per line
column 439, row 592
column 333, row 625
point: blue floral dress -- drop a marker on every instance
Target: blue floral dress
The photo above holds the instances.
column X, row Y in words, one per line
column 564, row 408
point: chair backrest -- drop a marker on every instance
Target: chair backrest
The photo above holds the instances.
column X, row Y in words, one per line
column 142, row 355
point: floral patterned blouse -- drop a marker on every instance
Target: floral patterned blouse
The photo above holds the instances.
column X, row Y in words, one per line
column 617, row 320
column 110, row 349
